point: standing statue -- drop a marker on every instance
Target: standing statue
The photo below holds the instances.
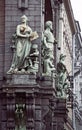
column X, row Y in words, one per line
column 48, row 42
column 62, row 81
column 22, row 45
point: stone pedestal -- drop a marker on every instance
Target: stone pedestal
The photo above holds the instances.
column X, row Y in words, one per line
column 46, row 81
column 19, row 89
column 22, row 79
column 42, row 111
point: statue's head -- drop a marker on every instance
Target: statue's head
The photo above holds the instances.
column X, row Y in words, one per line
column 24, row 19
column 49, row 24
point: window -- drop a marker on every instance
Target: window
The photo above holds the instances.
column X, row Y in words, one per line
column 48, row 11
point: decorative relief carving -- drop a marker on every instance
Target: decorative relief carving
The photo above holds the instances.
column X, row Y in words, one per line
column 22, row 4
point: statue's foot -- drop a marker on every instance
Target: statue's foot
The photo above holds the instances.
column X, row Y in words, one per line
column 15, row 70
column 23, row 70
column 11, row 70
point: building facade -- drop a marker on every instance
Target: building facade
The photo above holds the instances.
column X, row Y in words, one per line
column 34, row 96
column 77, row 78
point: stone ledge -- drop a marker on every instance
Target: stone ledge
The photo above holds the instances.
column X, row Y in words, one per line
column 21, row 79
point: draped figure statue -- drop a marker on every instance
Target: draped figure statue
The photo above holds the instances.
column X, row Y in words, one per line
column 48, row 42
column 22, row 42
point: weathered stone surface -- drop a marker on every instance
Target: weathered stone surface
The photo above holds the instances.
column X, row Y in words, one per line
column 21, row 79
column 2, row 35
column 19, row 85
column 47, row 81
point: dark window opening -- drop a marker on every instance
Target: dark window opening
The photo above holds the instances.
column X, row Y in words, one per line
column 48, row 11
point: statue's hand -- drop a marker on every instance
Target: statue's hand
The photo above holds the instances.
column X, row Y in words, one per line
column 27, row 35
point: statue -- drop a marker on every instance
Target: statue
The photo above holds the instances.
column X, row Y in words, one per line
column 20, row 117
column 62, row 81
column 22, row 46
column 48, row 42
column 34, row 59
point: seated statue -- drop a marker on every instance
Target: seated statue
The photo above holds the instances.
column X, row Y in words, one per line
column 33, row 60
column 48, row 42
column 22, row 47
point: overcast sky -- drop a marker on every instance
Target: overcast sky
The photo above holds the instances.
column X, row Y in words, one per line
column 77, row 10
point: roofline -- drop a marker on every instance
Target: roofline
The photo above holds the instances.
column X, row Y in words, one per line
column 78, row 25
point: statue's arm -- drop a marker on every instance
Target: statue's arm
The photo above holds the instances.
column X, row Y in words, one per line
column 45, row 41
column 29, row 32
column 35, row 54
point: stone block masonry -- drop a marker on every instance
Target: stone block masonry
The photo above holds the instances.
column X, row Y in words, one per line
column 2, row 30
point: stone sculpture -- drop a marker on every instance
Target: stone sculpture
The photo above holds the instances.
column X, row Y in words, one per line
column 22, row 46
column 62, row 81
column 48, row 42
column 20, row 117
column 34, row 58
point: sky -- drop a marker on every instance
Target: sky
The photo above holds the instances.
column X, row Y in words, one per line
column 77, row 10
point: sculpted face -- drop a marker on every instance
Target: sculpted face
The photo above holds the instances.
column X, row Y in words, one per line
column 24, row 19
column 49, row 24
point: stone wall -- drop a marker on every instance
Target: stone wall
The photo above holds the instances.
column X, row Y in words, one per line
column 67, row 43
column 2, row 24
